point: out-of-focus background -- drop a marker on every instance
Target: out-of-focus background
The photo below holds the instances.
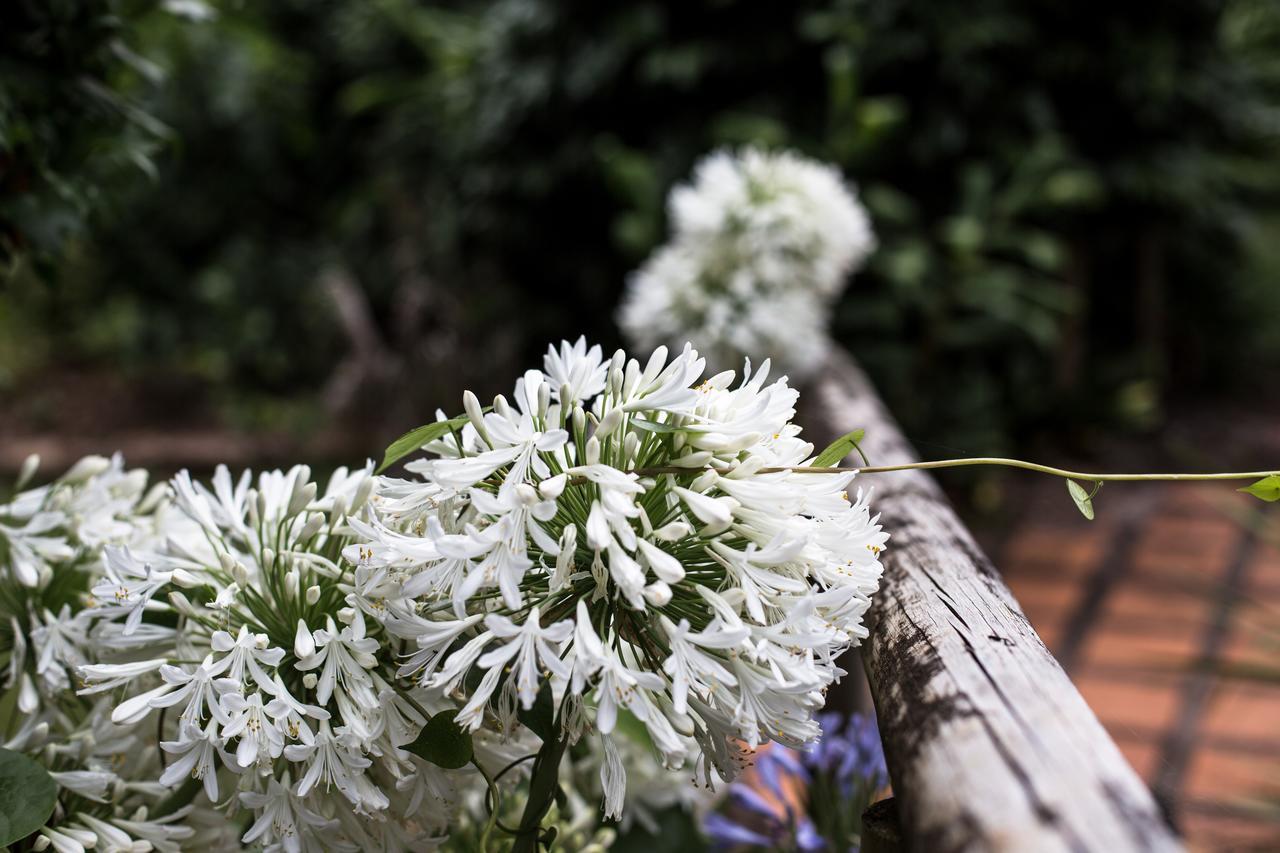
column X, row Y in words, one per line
column 266, row 232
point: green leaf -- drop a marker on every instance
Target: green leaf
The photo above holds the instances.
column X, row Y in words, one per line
column 414, row 439
column 840, row 448
column 1267, row 489
column 443, row 742
column 541, row 718
column 653, row 426
column 1084, row 501
column 27, row 796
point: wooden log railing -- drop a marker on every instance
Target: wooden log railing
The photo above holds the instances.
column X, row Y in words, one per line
column 989, row 744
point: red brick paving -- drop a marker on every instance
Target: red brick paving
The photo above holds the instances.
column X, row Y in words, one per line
column 1149, row 609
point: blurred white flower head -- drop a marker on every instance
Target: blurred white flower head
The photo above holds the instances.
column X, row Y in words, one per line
column 762, row 244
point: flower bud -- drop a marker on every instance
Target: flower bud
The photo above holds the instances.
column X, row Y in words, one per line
column 704, row 481
column 579, row 419
column 471, row 405
column 609, row 423
column 631, row 447
column 593, row 451
column 301, row 498
column 658, row 594
column 268, row 558
column 227, row 561
column 338, row 510
column 304, row 645
column 254, row 510
column 87, row 468
column 544, row 399
column 241, row 574
column 362, row 494
column 313, row 594
column 153, row 498
column 291, row 583
column 346, row 615
column 682, row 723
column 181, row 603
column 309, row 681
column 185, row 579
column 312, row 527
column 527, row 494
column 28, row 698
column 552, row 487
column 41, row 843
column 28, row 470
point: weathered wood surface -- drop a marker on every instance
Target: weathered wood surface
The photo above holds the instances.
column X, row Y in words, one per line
column 989, row 744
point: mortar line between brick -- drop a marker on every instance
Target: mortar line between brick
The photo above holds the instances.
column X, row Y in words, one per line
column 1180, row 740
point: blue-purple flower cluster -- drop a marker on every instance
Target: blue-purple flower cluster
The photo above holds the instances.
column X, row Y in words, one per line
column 806, row 800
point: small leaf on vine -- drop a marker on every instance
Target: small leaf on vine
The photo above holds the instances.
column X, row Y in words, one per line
column 1083, row 499
column 1267, row 489
column 443, row 742
column 840, row 448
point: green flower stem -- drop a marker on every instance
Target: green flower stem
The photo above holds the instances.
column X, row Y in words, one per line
column 544, row 780
column 494, row 800
column 981, row 460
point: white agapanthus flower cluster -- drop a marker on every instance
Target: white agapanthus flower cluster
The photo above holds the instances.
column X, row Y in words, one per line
column 762, row 244
column 616, row 536
column 621, row 551
column 275, row 690
column 51, row 540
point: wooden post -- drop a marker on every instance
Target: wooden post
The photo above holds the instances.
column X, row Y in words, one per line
column 989, row 744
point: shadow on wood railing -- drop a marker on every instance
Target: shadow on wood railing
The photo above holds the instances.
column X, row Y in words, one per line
column 989, row 744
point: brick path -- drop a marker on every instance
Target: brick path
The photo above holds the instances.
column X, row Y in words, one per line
column 1145, row 607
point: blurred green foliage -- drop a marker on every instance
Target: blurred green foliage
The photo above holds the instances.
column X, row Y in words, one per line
column 1074, row 201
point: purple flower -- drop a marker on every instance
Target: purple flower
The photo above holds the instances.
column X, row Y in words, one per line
column 808, row 800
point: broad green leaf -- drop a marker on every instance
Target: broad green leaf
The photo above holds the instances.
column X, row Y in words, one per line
column 414, row 439
column 840, row 448
column 1267, row 489
column 541, row 718
column 27, row 796
column 443, row 742
column 1084, row 501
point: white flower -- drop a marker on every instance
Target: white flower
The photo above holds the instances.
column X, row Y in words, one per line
column 283, row 819
column 195, row 749
column 200, row 689
column 344, row 656
column 100, row 677
column 330, row 762
column 576, row 372
column 689, row 667
column 31, row 547
column 613, row 778
column 707, row 599
column 90, row 784
column 60, row 642
column 129, row 584
column 761, row 246
column 528, row 646
column 245, row 653
column 255, row 725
